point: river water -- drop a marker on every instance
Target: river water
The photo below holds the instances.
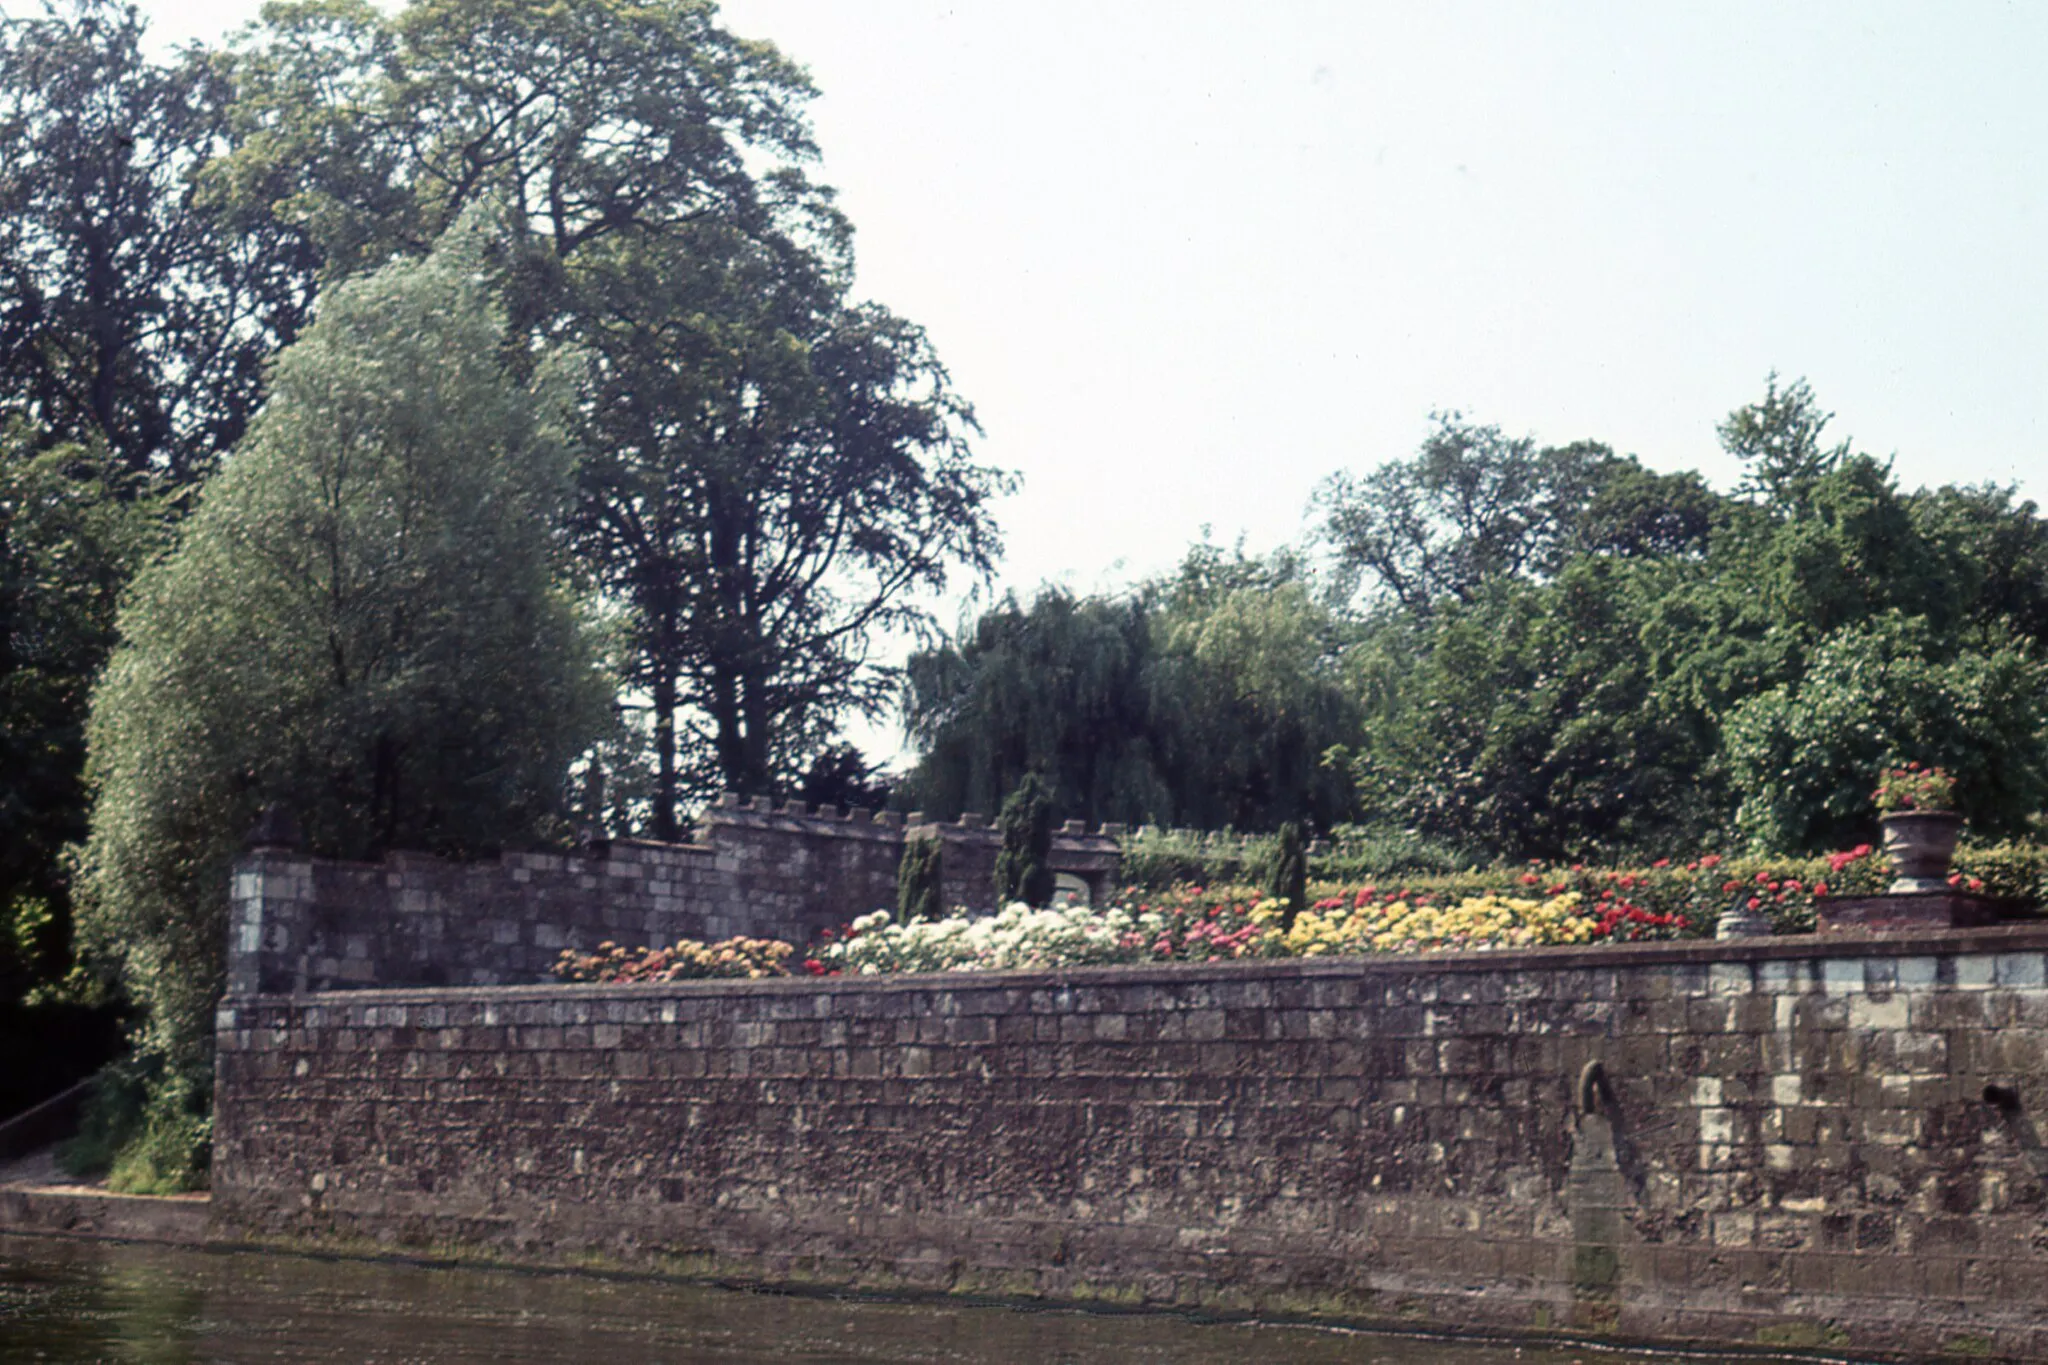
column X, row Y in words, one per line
column 70, row 1301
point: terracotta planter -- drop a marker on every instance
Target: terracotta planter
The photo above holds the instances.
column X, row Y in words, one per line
column 1920, row 844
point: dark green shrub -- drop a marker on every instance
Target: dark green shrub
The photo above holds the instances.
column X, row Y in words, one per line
column 919, row 885
column 1287, row 872
column 1024, row 864
column 145, row 1128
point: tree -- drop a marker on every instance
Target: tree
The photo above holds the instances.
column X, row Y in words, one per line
column 1998, row 547
column 1287, row 873
column 1779, row 439
column 137, row 309
column 1473, row 504
column 1249, row 699
column 777, row 476
column 1880, row 693
column 920, row 881
column 363, row 620
column 72, row 532
column 774, row 473
column 1208, row 697
column 1059, row 687
column 1024, row 862
column 1527, row 723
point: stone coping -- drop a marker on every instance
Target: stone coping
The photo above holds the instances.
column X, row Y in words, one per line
column 80, row 1211
column 1680, row 953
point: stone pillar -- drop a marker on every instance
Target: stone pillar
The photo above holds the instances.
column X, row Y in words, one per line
column 269, row 895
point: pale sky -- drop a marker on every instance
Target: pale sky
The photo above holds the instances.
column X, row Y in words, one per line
column 1188, row 259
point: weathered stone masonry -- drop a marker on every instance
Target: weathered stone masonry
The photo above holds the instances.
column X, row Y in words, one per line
column 1784, row 1140
column 301, row 923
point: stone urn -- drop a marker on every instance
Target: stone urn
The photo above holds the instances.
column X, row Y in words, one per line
column 1920, row 844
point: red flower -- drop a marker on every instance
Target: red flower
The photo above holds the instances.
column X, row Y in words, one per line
column 1755, row 904
column 1661, row 862
column 1820, row 888
column 1710, row 860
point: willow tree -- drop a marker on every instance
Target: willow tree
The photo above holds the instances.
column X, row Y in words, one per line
column 364, row 619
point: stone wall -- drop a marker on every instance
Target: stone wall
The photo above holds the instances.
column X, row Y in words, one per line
column 302, row 923
column 1783, row 1141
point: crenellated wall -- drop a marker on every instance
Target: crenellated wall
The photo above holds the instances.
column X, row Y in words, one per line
column 755, row 870
column 1827, row 1142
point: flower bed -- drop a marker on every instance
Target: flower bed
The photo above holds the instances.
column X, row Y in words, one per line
column 1535, row 905
column 688, row 960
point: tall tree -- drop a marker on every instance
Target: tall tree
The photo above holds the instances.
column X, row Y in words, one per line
column 1057, row 687
column 137, row 308
column 775, row 473
column 1475, row 505
column 1209, row 697
column 72, row 532
column 1023, row 864
column 363, row 620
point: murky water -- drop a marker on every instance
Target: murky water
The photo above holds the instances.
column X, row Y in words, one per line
column 80, row 1301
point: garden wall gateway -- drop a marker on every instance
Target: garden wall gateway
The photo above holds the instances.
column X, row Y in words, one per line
column 1783, row 1141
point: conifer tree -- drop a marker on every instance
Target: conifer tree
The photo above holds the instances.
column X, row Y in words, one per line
column 1024, row 864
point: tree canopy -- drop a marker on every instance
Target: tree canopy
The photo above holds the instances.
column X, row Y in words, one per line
column 364, row 619
column 775, row 475
column 1523, row 650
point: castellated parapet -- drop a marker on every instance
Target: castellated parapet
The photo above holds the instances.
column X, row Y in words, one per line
column 754, row 869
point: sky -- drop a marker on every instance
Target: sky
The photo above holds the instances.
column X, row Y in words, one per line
column 1189, row 259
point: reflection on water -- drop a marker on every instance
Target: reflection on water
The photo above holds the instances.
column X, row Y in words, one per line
column 64, row 1301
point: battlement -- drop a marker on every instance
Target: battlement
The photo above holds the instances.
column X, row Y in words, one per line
column 755, row 869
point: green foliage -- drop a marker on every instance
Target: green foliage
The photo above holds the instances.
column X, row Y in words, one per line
column 1057, row 688
column 1603, row 660
column 1249, row 697
column 819, row 483
column 1527, row 724
column 1212, row 697
column 137, row 307
column 1803, row 755
column 1779, row 439
column 1024, row 862
column 145, row 1129
column 1362, row 851
column 1287, row 873
column 362, row 620
column 2015, row 868
column 773, row 474
column 1153, row 859
column 73, row 527
column 1472, row 506
column 920, row 884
